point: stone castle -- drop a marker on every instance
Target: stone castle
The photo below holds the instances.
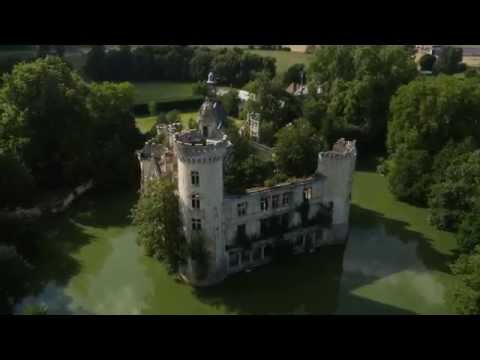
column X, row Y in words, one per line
column 244, row 231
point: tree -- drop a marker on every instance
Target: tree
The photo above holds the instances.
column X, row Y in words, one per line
column 449, row 61
column 294, row 75
column 468, row 235
column 173, row 117
column 464, row 296
column 45, row 105
column 231, row 103
column 200, row 88
column 296, row 149
column 96, row 63
column 115, row 135
column 17, row 185
column 272, row 102
column 453, row 198
column 409, row 175
column 428, row 112
column 357, row 84
column 426, row 62
column 200, row 64
column 449, row 155
column 157, row 216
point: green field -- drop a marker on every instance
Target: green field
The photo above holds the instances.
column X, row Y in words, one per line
column 145, row 123
column 159, row 91
column 285, row 59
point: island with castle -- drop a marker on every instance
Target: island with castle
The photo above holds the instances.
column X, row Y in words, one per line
column 242, row 230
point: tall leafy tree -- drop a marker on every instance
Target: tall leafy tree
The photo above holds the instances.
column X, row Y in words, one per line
column 115, row 136
column 426, row 115
column 272, row 102
column 295, row 74
column 95, row 65
column 453, row 198
column 464, row 296
column 296, row 149
column 409, row 175
column 468, row 235
column 357, row 83
column 157, row 217
column 46, row 106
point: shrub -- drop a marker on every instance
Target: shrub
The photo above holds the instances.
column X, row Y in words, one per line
column 173, row 117
column 426, row 62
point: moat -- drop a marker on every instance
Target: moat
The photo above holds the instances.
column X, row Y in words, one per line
column 393, row 263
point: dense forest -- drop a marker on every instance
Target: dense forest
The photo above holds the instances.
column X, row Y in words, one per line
column 232, row 66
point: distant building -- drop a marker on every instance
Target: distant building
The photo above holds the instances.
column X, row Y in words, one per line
column 470, row 51
column 429, row 49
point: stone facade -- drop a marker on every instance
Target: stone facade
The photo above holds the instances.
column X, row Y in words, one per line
column 241, row 231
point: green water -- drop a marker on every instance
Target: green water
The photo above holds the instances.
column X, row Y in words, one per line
column 393, row 263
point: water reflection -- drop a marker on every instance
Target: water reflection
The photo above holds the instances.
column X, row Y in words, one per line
column 386, row 267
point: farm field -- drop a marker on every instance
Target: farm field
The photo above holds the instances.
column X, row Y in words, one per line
column 159, row 91
column 285, row 59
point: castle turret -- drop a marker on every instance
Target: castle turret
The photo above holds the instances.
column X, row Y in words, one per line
column 212, row 116
column 338, row 166
column 200, row 157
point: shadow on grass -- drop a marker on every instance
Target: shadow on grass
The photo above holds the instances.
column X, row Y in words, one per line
column 312, row 284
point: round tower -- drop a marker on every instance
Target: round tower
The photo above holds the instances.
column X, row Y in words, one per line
column 200, row 188
column 200, row 157
column 338, row 166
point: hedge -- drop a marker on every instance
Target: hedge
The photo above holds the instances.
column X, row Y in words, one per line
column 166, row 106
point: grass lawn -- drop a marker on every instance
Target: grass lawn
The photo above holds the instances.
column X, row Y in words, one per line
column 285, row 59
column 145, row 123
column 146, row 92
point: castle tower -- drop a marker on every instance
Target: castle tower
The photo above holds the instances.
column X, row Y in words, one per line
column 200, row 156
column 338, row 166
column 212, row 116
